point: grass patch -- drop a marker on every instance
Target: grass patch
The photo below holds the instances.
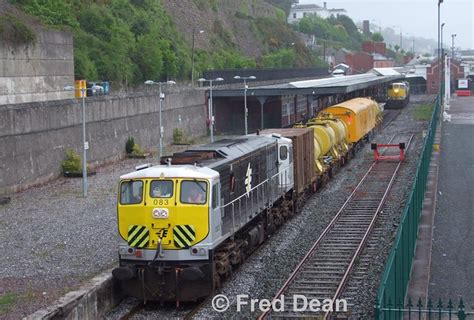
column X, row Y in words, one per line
column 14, row 31
column 423, row 112
column 6, row 301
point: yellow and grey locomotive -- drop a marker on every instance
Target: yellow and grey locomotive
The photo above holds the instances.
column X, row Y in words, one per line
column 185, row 224
column 398, row 95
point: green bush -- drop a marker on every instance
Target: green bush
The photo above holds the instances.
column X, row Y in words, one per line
column 72, row 162
column 129, row 145
column 178, row 136
column 137, row 150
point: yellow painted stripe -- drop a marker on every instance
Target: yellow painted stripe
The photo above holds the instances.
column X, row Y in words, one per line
column 140, row 237
column 183, row 237
column 179, row 243
column 144, row 242
column 192, row 236
column 130, row 236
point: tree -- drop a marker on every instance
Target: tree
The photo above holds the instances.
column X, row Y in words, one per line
column 376, row 36
column 396, row 47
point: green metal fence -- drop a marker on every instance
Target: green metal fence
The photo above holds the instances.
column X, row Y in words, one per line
column 394, row 284
column 437, row 310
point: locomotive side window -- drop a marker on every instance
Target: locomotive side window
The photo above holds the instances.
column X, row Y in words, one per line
column 161, row 189
column 283, row 153
column 131, row 192
column 193, row 192
column 215, row 196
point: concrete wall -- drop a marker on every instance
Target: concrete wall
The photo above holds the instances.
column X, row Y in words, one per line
column 37, row 72
column 34, row 136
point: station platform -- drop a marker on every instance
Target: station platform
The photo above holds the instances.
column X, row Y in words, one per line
column 444, row 259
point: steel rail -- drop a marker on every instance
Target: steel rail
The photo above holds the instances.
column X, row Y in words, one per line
column 331, row 226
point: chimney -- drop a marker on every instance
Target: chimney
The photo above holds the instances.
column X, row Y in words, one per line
column 325, row 5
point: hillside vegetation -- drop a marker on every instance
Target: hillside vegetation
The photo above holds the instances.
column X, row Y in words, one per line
column 129, row 41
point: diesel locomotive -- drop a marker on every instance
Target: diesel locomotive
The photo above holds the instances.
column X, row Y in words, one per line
column 398, row 95
column 187, row 223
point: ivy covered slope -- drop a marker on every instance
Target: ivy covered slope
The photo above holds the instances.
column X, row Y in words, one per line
column 128, row 41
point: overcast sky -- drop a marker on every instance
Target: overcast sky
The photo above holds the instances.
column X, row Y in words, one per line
column 416, row 17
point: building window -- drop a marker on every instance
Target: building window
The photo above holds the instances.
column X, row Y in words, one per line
column 294, row 15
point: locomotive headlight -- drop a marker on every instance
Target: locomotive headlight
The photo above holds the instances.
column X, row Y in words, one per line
column 126, row 250
column 160, row 213
column 195, row 251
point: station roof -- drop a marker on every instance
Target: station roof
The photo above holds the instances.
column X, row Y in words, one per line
column 325, row 86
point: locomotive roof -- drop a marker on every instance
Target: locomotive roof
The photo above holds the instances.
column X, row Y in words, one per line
column 227, row 149
column 173, row 171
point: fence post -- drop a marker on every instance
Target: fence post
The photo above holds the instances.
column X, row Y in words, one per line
column 439, row 306
column 419, row 305
column 450, row 308
column 461, row 312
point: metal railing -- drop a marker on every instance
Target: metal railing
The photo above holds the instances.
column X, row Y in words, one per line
column 394, row 284
column 432, row 310
column 241, row 209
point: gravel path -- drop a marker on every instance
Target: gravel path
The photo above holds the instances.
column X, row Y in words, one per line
column 53, row 239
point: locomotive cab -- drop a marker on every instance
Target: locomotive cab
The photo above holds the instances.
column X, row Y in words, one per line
column 165, row 218
column 186, row 224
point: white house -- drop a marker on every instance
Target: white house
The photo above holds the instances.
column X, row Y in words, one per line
column 298, row 11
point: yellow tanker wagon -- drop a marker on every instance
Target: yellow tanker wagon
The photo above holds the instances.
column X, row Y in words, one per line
column 360, row 116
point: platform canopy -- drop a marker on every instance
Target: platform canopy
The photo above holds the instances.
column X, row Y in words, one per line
column 324, row 86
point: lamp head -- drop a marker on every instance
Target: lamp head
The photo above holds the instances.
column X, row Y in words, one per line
column 148, row 82
column 237, row 77
column 219, row 79
column 201, row 80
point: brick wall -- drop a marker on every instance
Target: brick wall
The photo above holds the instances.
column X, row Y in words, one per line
column 432, row 75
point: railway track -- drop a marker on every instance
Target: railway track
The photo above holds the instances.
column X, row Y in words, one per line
column 325, row 269
column 135, row 309
column 389, row 116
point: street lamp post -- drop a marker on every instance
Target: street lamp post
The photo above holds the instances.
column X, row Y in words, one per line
column 441, row 36
column 85, row 144
column 210, row 104
column 401, row 37
column 246, row 111
column 452, row 46
column 192, row 56
column 440, row 64
column 162, row 97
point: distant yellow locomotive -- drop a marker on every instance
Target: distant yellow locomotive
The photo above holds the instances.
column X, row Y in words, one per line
column 186, row 224
column 398, row 95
